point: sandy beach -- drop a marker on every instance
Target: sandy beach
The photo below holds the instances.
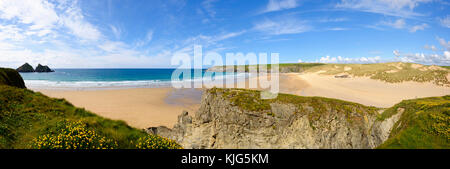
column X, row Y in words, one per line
column 146, row 107
column 140, row 107
column 358, row 89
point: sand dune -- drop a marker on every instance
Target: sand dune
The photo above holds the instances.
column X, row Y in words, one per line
column 359, row 89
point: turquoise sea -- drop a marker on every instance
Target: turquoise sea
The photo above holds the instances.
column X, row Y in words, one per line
column 111, row 78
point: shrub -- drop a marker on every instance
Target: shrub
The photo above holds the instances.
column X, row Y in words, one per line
column 156, row 142
column 73, row 135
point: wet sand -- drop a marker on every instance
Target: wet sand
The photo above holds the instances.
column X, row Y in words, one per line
column 140, row 107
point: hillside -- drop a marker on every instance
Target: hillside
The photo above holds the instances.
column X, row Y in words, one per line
column 237, row 118
column 31, row 120
column 11, row 77
column 424, row 123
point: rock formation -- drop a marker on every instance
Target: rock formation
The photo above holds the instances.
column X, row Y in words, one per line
column 41, row 68
column 287, row 122
column 25, row 68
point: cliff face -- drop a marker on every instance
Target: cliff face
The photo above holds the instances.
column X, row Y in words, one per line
column 11, row 77
column 234, row 118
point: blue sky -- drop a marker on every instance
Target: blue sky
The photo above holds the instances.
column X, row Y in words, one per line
column 146, row 33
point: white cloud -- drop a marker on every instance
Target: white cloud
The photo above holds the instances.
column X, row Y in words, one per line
column 402, row 8
column 325, row 20
column 445, row 21
column 73, row 19
column 116, row 31
column 398, row 24
column 148, row 37
column 341, row 59
column 418, row 27
column 41, row 17
column 277, row 5
column 282, row 26
column 433, row 58
column 39, row 13
column 432, row 47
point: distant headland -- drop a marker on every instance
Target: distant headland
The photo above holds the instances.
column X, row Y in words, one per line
column 28, row 68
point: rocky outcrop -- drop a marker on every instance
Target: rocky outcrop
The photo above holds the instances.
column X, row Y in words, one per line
column 41, row 68
column 11, row 77
column 224, row 121
column 25, row 68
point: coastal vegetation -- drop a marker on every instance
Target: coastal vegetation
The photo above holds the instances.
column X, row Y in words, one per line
column 250, row 100
column 424, row 123
column 32, row 120
column 284, row 67
column 395, row 72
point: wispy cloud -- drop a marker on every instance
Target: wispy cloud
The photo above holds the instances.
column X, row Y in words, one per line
column 418, row 27
column 147, row 38
column 401, row 8
column 445, row 22
column 399, row 24
column 278, row 5
column 282, row 26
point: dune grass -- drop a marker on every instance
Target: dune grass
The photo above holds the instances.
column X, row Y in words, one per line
column 395, row 72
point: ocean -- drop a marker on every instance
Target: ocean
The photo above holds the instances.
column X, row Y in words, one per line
column 110, row 78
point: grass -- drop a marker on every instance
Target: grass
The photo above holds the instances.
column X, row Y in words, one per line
column 389, row 72
column 26, row 117
column 424, row 124
column 11, row 77
column 284, row 67
column 315, row 107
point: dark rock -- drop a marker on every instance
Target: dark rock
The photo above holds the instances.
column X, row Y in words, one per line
column 11, row 77
column 25, row 68
column 41, row 68
column 342, row 76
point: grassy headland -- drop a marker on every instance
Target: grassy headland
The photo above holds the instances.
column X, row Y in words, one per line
column 32, row 120
column 425, row 123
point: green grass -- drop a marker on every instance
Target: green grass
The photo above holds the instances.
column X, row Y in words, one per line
column 425, row 124
column 285, row 67
column 314, row 107
column 11, row 77
column 389, row 72
column 25, row 115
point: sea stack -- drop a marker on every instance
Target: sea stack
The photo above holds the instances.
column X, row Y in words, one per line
column 25, row 68
column 41, row 68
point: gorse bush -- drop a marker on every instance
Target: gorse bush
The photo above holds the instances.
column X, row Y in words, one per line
column 32, row 120
column 73, row 135
column 156, row 142
column 425, row 123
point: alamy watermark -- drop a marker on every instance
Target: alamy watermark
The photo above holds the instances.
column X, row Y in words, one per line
column 261, row 72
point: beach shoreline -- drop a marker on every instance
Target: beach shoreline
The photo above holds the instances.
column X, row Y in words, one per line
column 138, row 107
column 146, row 107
